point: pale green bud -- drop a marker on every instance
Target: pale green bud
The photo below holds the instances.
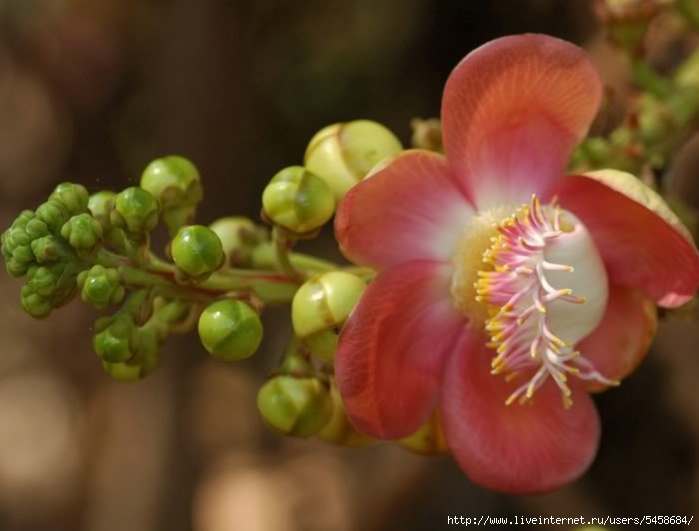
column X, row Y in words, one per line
column 83, row 232
column 343, row 154
column 113, row 338
column 338, row 429
column 239, row 237
column 175, row 182
column 298, row 200
column 230, row 330
column 54, row 214
column 197, row 252
column 36, row 305
column 101, row 287
column 123, row 372
column 41, row 280
column 100, row 205
column 73, row 197
column 45, row 249
column 295, row 406
column 135, row 210
column 321, row 307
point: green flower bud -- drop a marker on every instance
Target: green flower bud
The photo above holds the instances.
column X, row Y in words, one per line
column 18, row 237
column 175, row 182
column 298, row 200
column 83, row 232
column 101, row 287
column 197, row 252
column 100, row 205
column 17, row 233
column 321, row 307
column 34, row 304
column 338, row 429
column 23, row 254
column 16, row 245
column 135, row 210
column 239, row 236
column 295, row 406
column 36, row 228
column 114, row 336
column 230, row 330
column 54, row 214
column 123, row 372
column 343, row 154
column 45, row 249
column 72, row 196
column 428, row 440
column 66, row 273
column 42, row 281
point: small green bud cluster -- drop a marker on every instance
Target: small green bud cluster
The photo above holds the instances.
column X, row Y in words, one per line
column 47, row 246
column 127, row 343
column 101, row 287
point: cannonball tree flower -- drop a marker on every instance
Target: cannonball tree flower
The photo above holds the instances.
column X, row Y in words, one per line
column 507, row 291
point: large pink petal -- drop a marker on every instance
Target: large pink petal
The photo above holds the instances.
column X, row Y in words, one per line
column 517, row 448
column 409, row 210
column 641, row 248
column 512, row 112
column 623, row 337
column 393, row 346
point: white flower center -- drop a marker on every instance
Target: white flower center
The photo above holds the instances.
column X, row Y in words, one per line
column 546, row 289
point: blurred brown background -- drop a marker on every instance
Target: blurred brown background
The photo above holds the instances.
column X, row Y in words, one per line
column 90, row 91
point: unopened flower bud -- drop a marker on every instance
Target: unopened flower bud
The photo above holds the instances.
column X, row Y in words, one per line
column 175, row 182
column 123, row 372
column 45, row 249
column 298, row 200
column 239, row 236
column 135, row 210
column 36, row 229
column 321, row 307
column 343, row 154
column 197, row 252
column 338, row 429
column 230, row 330
column 100, row 205
column 36, row 305
column 295, row 406
column 428, row 440
column 54, row 214
column 41, row 280
column 83, row 232
column 113, row 338
column 73, row 197
column 16, row 245
column 101, row 287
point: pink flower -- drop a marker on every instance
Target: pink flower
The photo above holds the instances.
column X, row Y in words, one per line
column 506, row 291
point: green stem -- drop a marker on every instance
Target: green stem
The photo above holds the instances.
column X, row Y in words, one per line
column 265, row 257
column 267, row 286
column 283, row 246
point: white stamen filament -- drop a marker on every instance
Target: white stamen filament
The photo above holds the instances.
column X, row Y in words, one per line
column 536, row 322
